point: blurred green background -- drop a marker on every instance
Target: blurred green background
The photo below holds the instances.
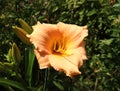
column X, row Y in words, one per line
column 101, row 72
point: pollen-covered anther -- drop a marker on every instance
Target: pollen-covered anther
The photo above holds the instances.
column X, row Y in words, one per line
column 58, row 47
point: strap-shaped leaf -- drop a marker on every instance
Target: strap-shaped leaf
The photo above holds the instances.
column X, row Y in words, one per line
column 29, row 64
column 13, row 84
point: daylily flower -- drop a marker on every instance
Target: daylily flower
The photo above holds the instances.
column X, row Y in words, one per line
column 60, row 45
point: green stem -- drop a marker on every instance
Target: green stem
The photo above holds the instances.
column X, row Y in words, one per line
column 45, row 80
column 71, row 84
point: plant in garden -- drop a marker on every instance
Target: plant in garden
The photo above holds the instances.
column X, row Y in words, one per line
column 101, row 71
column 61, row 46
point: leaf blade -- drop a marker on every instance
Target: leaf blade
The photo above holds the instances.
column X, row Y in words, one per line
column 12, row 83
column 31, row 57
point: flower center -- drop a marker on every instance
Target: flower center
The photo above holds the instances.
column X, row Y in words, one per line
column 59, row 47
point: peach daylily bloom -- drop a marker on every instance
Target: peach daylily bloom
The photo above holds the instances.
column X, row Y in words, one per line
column 60, row 45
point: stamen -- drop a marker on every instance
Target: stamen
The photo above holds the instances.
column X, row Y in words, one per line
column 63, row 44
column 54, row 46
column 59, row 46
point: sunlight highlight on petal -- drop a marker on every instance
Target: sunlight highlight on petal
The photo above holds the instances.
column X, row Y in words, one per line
column 63, row 64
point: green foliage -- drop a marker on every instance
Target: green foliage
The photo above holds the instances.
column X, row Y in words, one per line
column 12, row 83
column 99, row 73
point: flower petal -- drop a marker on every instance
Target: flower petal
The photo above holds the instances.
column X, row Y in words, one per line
column 73, row 33
column 68, row 64
column 43, row 36
column 42, row 59
column 82, row 51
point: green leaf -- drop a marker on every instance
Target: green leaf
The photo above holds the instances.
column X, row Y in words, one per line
column 12, row 83
column 107, row 41
column 29, row 68
column 92, row 12
column 6, row 67
column 58, row 85
column 81, row 2
column 9, row 55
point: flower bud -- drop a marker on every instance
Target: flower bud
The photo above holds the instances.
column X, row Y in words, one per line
column 16, row 53
column 25, row 26
column 21, row 33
